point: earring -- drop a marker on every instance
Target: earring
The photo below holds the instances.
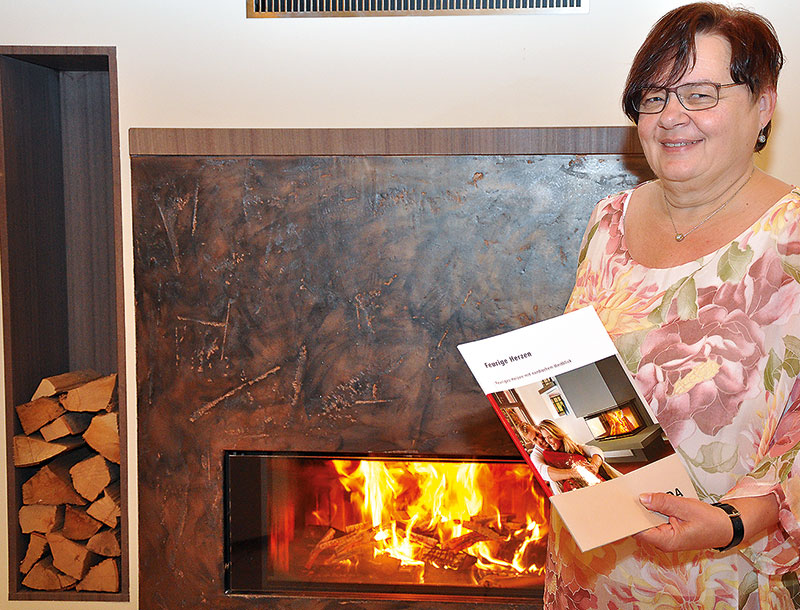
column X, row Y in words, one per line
column 762, row 137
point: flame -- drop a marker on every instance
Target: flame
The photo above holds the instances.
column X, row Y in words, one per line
column 434, row 512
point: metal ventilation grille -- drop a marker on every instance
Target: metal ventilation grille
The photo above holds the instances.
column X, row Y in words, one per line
column 367, row 8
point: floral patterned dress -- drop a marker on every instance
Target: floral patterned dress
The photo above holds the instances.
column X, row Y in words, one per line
column 714, row 345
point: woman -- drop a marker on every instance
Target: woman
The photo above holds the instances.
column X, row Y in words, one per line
column 696, row 274
column 569, row 464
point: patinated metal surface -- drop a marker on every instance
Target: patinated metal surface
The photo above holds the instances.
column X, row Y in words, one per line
column 315, row 303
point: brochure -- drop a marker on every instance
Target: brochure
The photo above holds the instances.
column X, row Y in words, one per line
column 572, row 409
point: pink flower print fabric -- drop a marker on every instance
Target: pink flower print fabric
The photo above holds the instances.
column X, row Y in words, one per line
column 714, row 346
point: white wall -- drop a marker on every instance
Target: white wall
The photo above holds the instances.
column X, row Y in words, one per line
column 194, row 63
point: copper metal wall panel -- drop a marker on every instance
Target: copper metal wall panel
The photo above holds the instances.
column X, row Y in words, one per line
column 315, row 303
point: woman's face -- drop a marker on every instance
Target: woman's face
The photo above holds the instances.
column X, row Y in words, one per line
column 702, row 148
column 552, row 441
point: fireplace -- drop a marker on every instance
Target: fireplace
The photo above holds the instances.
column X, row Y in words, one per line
column 305, row 290
column 617, row 422
column 414, row 527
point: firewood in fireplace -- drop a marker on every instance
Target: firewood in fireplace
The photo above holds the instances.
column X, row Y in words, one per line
column 444, row 558
column 463, row 542
column 318, row 548
column 475, row 526
column 347, row 544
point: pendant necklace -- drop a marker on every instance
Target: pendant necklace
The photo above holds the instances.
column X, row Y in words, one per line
column 681, row 236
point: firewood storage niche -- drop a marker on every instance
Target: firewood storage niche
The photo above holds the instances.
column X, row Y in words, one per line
column 62, row 290
column 303, row 292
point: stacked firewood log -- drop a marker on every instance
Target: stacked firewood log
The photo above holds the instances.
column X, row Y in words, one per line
column 71, row 503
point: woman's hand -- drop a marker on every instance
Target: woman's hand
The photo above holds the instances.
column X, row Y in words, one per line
column 695, row 525
column 692, row 524
column 595, row 463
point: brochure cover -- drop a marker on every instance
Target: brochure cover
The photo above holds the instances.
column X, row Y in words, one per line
column 572, row 409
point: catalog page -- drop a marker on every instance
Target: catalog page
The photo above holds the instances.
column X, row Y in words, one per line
column 571, row 407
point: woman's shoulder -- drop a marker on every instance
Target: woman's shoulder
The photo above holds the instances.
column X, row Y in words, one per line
column 615, row 205
column 782, row 218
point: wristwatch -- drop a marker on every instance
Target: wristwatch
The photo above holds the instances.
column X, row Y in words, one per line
column 736, row 522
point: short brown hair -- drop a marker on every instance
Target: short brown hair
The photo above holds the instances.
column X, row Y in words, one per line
column 669, row 51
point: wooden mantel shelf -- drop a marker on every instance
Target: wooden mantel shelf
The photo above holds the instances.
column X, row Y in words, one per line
column 384, row 141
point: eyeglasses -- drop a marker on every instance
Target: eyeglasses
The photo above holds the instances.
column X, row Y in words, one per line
column 692, row 96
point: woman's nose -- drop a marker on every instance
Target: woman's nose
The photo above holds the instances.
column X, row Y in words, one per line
column 674, row 113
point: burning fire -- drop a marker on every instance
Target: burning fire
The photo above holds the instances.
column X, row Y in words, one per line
column 620, row 421
column 441, row 515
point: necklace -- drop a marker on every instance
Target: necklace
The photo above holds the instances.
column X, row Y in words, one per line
column 681, row 236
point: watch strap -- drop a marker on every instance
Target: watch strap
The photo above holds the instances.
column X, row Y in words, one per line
column 736, row 522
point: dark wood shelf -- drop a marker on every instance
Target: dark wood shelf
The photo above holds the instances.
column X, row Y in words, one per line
column 60, row 243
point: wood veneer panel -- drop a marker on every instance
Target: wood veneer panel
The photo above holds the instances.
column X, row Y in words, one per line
column 33, row 249
column 395, row 141
column 88, row 191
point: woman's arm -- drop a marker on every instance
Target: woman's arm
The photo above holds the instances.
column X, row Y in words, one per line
column 561, row 474
column 695, row 525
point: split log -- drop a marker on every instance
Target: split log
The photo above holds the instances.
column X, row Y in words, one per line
column 31, row 451
column 106, row 508
column 67, row 425
column 45, row 577
column 446, row 559
column 69, row 556
column 78, row 525
column 41, row 518
column 105, row 543
column 463, row 542
column 102, row 435
column 35, row 414
column 92, row 397
column 482, row 529
column 51, row 484
column 312, row 557
column 49, row 386
column 92, row 475
column 36, row 547
column 102, row 577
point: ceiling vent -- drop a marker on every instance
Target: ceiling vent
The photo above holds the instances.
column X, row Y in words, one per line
column 372, row 8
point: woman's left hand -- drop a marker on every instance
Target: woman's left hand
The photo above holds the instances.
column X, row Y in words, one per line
column 695, row 525
column 692, row 524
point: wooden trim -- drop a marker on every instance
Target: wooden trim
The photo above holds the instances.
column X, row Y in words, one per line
column 388, row 141
column 62, row 58
column 122, row 385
